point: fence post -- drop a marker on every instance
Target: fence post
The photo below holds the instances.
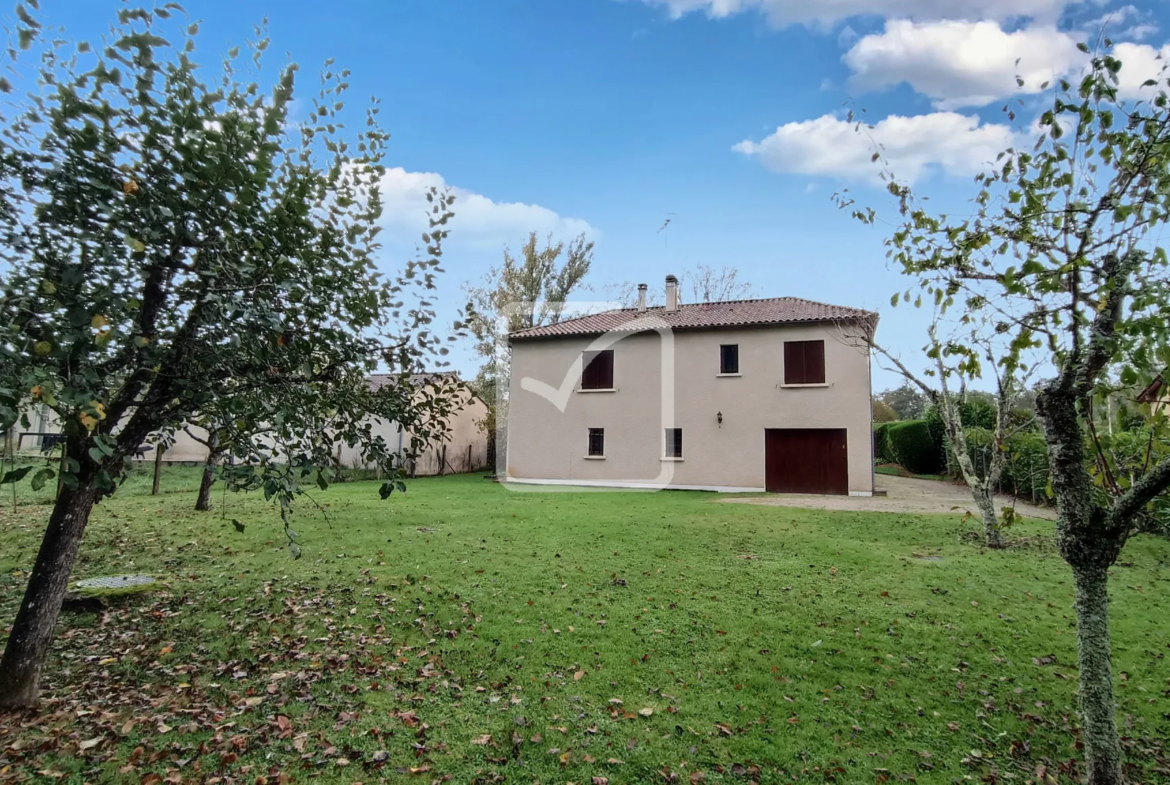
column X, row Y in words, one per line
column 158, row 451
column 468, row 458
column 443, row 461
column 61, row 468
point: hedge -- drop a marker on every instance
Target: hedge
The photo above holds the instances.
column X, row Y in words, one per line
column 881, row 443
column 912, row 444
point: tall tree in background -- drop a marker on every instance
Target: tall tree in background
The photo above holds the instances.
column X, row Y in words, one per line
column 1061, row 254
column 699, row 284
column 522, row 292
column 167, row 240
column 705, row 284
column 907, row 401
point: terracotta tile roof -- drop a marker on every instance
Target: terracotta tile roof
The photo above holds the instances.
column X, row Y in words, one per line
column 703, row 316
column 1152, row 393
column 379, row 380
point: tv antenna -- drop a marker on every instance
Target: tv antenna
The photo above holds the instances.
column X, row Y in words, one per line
column 662, row 229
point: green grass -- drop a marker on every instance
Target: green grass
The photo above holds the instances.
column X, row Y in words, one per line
column 466, row 631
column 893, row 470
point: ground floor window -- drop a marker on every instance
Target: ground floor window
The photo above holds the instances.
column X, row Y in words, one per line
column 674, row 443
column 596, row 442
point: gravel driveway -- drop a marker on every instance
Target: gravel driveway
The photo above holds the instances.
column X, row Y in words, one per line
column 904, row 494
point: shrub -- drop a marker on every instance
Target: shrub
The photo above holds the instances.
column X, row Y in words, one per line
column 883, row 412
column 913, row 446
column 881, row 444
column 980, row 444
column 1026, row 471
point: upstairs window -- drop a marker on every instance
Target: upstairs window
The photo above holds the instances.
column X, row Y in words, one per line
column 804, row 362
column 729, row 358
column 597, row 370
column 673, row 443
column 596, row 442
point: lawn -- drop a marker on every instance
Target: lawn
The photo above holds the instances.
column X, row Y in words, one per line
column 463, row 632
column 894, row 470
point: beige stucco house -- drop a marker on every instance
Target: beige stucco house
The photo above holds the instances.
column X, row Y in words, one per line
column 465, row 450
column 753, row 395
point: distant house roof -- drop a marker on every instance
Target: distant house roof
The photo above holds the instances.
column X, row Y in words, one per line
column 379, row 380
column 1152, row 393
column 703, row 316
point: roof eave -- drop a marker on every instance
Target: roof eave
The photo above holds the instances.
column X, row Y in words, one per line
column 868, row 316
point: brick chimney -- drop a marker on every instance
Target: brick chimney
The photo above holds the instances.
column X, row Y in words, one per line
column 641, row 298
column 671, row 293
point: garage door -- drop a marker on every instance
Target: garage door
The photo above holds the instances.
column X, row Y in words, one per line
column 804, row 460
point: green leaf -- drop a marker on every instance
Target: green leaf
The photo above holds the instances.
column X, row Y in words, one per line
column 1083, row 47
column 295, row 550
column 322, row 483
column 15, row 475
column 40, row 478
column 238, row 525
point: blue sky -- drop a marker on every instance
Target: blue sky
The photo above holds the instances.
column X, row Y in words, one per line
column 605, row 115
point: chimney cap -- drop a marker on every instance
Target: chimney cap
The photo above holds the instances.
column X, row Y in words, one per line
column 671, row 279
column 642, row 287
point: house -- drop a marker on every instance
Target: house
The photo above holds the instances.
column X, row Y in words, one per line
column 464, row 451
column 752, row 395
column 1156, row 396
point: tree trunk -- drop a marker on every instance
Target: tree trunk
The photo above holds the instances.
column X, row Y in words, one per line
column 1102, row 745
column 985, row 501
column 203, row 501
column 1090, row 546
column 980, row 489
column 32, row 631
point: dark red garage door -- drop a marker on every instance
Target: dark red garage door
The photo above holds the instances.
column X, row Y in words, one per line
column 805, row 460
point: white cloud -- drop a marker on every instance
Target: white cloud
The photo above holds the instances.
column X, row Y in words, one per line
column 911, row 146
column 1124, row 22
column 781, row 13
column 1140, row 63
column 479, row 221
column 960, row 64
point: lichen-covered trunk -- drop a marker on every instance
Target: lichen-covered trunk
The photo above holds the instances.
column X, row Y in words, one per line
column 980, row 488
column 32, row 631
column 992, row 530
column 1090, row 546
column 1098, row 708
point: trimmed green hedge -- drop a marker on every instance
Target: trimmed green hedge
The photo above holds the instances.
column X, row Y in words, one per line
column 912, row 445
column 881, row 443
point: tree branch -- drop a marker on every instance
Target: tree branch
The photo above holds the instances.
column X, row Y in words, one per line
column 1130, row 503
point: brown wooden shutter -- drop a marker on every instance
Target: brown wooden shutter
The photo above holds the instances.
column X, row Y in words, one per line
column 597, row 373
column 804, row 362
column 794, row 362
column 814, row 362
